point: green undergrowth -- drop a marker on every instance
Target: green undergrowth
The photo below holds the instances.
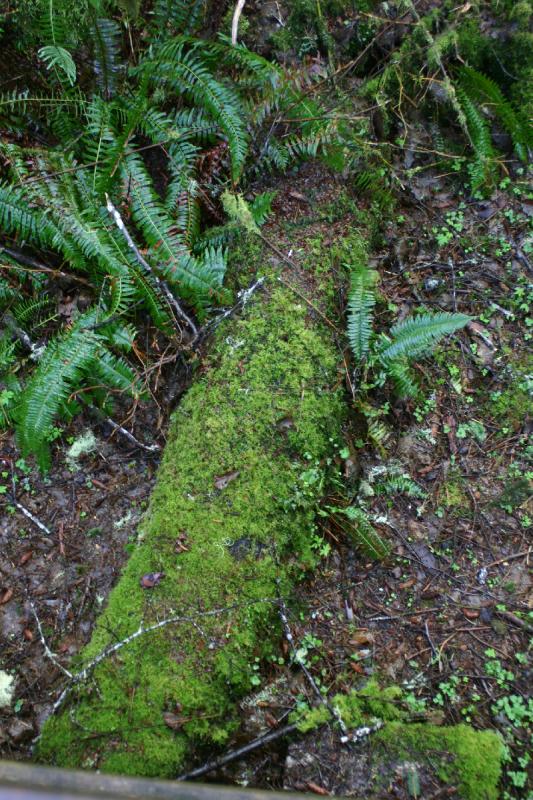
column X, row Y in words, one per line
column 232, row 490
column 460, row 756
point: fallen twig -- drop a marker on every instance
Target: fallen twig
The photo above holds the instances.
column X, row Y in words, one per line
column 149, row 448
column 301, row 663
column 161, row 284
column 48, row 653
column 235, row 21
column 240, row 752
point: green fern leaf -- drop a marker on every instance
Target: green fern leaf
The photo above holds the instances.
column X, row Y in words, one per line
column 361, row 302
column 55, row 56
column 416, row 336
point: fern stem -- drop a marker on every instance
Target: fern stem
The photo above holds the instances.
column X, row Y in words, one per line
column 161, row 284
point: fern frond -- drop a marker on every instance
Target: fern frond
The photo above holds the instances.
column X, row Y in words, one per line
column 361, row 301
column 404, row 382
column 59, row 372
column 115, row 373
column 400, row 484
column 107, row 66
column 173, row 17
column 187, row 75
column 416, row 336
column 57, row 57
column 363, row 534
column 484, row 90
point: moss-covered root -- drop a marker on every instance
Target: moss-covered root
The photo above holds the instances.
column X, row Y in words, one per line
column 231, row 514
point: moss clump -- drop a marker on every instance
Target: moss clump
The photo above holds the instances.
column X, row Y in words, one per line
column 263, row 415
column 461, row 756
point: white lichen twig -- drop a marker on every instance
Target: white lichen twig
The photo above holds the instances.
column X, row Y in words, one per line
column 149, row 448
column 235, row 21
column 81, row 677
column 48, row 653
column 303, row 666
column 161, row 284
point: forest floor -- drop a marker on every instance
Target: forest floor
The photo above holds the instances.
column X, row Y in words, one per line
column 446, row 614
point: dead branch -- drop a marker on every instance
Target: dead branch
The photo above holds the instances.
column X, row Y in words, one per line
column 240, row 752
column 161, row 284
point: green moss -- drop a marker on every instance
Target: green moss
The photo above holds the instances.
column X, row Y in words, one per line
column 265, row 409
column 461, row 756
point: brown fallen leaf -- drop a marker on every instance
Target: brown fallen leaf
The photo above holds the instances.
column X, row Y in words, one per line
column 173, row 721
column 25, row 557
column 151, row 579
column 5, row 596
column 180, row 545
column 407, row 584
column 223, row 480
column 470, row 613
column 316, row 789
column 362, row 637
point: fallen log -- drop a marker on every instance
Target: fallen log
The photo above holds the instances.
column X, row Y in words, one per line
column 228, row 530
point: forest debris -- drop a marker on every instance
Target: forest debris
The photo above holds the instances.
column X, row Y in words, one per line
column 151, row 579
column 5, row 596
column 224, row 480
column 173, row 721
column 7, row 688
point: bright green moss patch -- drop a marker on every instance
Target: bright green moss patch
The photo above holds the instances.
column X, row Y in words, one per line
column 462, row 757
column 465, row 758
column 245, row 462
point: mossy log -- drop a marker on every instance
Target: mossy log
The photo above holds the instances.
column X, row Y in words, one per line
column 229, row 525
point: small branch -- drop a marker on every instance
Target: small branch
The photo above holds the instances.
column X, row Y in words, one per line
column 48, row 653
column 240, row 752
column 235, row 21
column 36, row 266
column 149, row 448
column 301, row 663
column 161, row 284
column 242, row 300
column 36, row 521
column 81, row 676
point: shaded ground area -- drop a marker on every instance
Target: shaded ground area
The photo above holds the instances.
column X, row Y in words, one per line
column 447, row 615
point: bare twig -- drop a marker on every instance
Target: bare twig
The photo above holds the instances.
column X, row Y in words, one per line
column 240, row 752
column 161, row 284
column 242, row 300
column 235, row 21
column 48, row 653
column 149, row 448
column 301, row 663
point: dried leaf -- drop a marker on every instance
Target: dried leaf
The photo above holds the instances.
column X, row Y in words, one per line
column 316, row 789
column 5, row 596
column 180, row 545
column 25, row 557
column 362, row 637
column 173, row 721
column 151, row 579
column 223, row 480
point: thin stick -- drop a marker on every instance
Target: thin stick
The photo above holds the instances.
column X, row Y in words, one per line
column 149, row 448
column 240, row 752
column 48, row 653
column 301, row 663
column 235, row 21
column 161, row 284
